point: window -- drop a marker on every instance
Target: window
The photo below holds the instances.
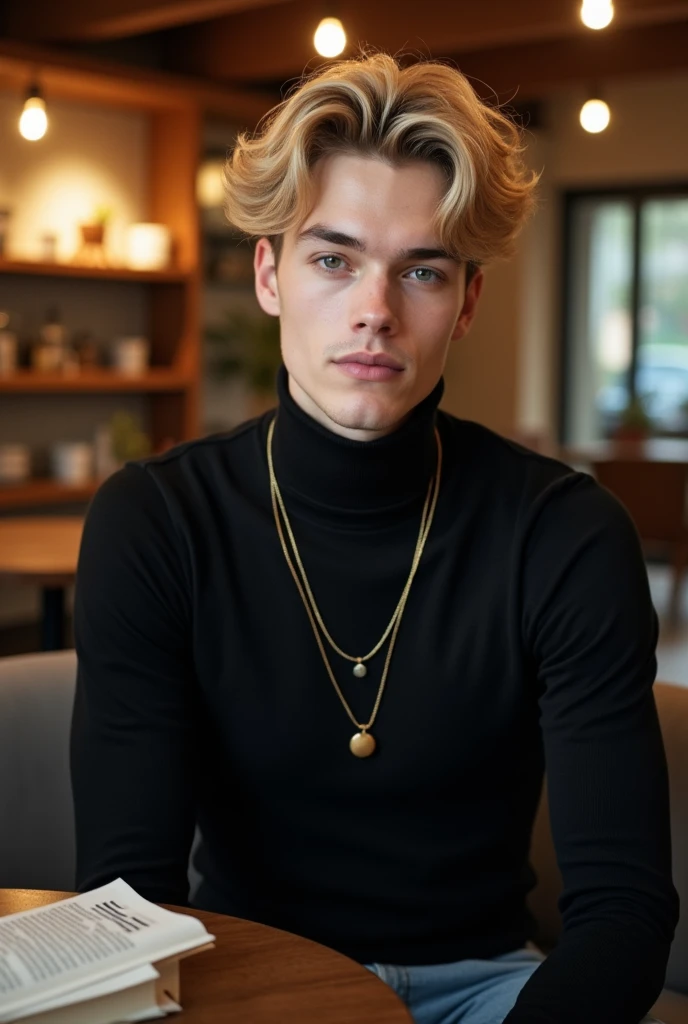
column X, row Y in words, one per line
column 626, row 311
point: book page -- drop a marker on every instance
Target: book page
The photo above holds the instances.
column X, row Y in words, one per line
column 57, row 948
column 127, row 979
column 130, row 1004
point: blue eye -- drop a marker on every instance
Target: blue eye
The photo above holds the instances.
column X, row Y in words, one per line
column 431, row 275
column 328, row 261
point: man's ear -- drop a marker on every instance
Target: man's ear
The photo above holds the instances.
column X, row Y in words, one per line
column 470, row 306
column 265, row 273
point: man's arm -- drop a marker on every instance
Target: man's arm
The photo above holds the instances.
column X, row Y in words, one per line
column 132, row 746
column 591, row 629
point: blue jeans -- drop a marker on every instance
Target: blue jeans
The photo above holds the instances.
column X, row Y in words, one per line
column 465, row 992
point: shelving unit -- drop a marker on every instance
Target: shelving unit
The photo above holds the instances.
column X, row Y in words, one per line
column 169, row 299
column 76, row 270
column 44, row 492
column 30, row 382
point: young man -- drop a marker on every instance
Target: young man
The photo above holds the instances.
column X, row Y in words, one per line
column 347, row 638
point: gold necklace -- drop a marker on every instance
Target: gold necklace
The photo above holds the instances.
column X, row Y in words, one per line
column 362, row 744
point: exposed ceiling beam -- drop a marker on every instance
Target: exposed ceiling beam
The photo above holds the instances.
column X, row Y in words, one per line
column 276, row 42
column 83, row 79
column 534, row 69
column 79, row 20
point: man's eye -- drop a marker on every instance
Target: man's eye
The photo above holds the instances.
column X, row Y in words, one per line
column 425, row 274
column 331, row 262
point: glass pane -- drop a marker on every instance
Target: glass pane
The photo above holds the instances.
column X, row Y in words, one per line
column 662, row 376
column 600, row 317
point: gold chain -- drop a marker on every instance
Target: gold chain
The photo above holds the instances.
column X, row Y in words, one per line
column 304, row 578
column 306, row 593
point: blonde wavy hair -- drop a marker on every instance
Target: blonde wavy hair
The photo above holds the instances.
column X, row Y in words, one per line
column 374, row 107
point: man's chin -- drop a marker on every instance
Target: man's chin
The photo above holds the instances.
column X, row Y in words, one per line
column 372, row 417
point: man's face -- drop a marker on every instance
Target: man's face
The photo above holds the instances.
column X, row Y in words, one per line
column 368, row 300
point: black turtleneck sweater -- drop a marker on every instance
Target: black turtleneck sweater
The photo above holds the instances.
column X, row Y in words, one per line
column 527, row 641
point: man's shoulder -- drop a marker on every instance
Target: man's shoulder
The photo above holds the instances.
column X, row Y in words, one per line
column 204, row 452
column 502, row 461
column 187, row 477
column 528, row 490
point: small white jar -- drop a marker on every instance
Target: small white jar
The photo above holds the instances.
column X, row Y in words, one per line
column 72, row 462
column 131, row 356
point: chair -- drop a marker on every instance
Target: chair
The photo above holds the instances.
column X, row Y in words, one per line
column 36, row 817
column 654, row 493
column 672, row 706
column 38, row 847
column 37, row 822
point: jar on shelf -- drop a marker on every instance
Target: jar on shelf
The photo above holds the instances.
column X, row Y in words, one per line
column 8, row 352
column 72, row 462
column 49, row 353
column 15, row 463
column 131, row 356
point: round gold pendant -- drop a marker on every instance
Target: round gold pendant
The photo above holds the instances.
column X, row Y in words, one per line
column 362, row 744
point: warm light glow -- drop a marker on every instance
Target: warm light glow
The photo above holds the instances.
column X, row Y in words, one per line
column 33, row 122
column 597, row 14
column 595, row 116
column 209, row 187
column 148, row 246
column 330, row 37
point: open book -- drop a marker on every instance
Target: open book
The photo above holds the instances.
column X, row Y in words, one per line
column 101, row 957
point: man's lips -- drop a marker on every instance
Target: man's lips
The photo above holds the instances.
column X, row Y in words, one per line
column 366, row 366
column 371, row 359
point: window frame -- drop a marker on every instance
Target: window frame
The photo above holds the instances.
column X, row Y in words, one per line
column 635, row 194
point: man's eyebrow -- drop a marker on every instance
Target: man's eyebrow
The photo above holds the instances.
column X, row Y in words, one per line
column 325, row 234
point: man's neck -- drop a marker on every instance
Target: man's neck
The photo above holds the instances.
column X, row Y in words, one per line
column 312, row 409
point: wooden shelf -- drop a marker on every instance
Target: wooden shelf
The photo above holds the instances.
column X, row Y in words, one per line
column 171, row 276
column 165, row 304
column 158, row 379
column 44, row 492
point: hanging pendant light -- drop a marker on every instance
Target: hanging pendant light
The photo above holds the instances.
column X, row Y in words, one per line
column 597, row 14
column 330, row 37
column 595, row 116
column 33, row 122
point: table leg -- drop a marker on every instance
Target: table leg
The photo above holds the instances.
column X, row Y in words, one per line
column 52, row 625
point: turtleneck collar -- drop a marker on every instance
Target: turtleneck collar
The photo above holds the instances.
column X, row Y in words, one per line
column 334, row 472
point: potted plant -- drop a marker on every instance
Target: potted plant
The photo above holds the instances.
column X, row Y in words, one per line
column 128, row 439
column 247, row 345
column 91, row 252
column 93, row 232
column 634, row 423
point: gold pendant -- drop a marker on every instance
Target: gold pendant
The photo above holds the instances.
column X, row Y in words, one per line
column 362, row 744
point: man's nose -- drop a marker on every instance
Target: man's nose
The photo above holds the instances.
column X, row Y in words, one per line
column 374, row 306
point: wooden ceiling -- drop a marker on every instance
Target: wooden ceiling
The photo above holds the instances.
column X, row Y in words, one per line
column 522, row 48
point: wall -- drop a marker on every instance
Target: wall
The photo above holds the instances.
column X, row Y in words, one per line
column 504, row 374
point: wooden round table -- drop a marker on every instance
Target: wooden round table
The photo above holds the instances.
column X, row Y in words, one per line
column 260, row 975
column 43, row 550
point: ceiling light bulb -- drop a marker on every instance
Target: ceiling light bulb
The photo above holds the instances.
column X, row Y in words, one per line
column 595, row 116
column 33, row 122
column 330, row 37
column 597, row 14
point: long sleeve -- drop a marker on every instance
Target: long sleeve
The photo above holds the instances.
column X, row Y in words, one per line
column 591, row 630
column 132, row 737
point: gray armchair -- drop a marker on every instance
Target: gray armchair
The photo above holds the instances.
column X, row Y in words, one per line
column 37, row 850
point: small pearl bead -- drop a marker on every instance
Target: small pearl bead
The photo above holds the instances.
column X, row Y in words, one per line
column 360, row 670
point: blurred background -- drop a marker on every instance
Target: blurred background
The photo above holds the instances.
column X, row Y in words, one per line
column 128, row 321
